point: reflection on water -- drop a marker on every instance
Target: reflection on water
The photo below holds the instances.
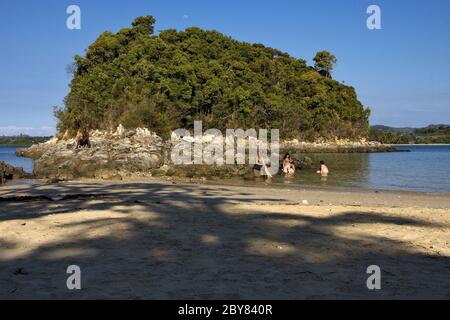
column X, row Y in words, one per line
column 345, row 170
column 425, row 168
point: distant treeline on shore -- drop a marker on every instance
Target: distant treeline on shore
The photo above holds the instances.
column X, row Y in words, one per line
column 20, row 141
column 433, row 134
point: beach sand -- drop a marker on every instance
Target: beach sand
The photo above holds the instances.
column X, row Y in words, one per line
column 155, row 239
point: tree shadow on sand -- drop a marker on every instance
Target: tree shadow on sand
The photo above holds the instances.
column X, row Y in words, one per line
column 192, row 242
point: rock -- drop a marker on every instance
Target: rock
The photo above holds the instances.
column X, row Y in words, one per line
column 210, row 172
column 8, row 172
column 111, row 157
column 336, row 146
column 302, row 162
column 120, row 131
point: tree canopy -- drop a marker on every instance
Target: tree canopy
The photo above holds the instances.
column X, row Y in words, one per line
column 324, row 62
column 167, row 81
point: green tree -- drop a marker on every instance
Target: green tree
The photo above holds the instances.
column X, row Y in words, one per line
column 144, row 25
column 324, row 62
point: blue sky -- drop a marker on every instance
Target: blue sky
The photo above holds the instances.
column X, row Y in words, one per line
column 402, row 71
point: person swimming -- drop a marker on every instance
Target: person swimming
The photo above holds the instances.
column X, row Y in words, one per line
column 323, row 169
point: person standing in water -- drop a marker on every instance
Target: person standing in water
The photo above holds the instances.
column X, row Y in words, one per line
column 323, row 169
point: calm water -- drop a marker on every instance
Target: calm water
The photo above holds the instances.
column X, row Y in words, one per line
column 8, row 154
column 425, row 168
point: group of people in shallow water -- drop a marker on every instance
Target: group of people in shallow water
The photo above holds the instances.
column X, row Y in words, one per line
column 287, row 167
column 260, row 167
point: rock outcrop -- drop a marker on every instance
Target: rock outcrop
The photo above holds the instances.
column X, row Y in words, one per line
column 338, row 146
column 141, row 153
column 113, row 155
column 8, row 172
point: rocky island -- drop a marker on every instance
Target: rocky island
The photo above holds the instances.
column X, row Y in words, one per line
column 125, row 154
column 170, row 80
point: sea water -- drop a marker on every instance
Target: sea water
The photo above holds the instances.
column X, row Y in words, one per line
column 8, row 155
column 424, row 169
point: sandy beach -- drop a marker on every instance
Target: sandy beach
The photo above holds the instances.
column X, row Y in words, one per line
column 156, row 239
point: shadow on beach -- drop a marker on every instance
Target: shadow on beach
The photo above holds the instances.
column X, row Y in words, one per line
column 162, row 241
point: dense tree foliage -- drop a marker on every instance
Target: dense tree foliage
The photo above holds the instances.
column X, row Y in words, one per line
column 324, row 62
column 167, row 81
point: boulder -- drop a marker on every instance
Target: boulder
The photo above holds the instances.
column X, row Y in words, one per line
column 8, row 172
column 112, row 155
column 209, row 171
column 302, row 162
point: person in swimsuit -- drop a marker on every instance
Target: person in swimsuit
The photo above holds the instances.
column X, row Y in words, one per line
column 288, row 165
column 323, row 169
column 259, row 166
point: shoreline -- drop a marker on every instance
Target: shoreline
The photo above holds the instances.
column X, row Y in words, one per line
column 366, row 197
column 316, row 187
column 227, row 183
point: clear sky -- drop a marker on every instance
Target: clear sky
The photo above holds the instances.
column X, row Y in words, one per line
column 401, row 71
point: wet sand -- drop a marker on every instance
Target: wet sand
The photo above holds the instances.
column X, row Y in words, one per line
column 155, row 239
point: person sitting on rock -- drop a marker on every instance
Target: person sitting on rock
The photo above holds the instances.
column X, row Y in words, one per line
column 323, row 169
column 84, row 141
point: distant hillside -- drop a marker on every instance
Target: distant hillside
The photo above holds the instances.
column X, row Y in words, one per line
column 437, row 133
column 20, row 141
column 392, row 129
column 169, row 80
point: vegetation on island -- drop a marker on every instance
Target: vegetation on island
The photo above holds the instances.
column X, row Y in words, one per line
column 433, row 134
column 167, row 81
column 21, row 140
